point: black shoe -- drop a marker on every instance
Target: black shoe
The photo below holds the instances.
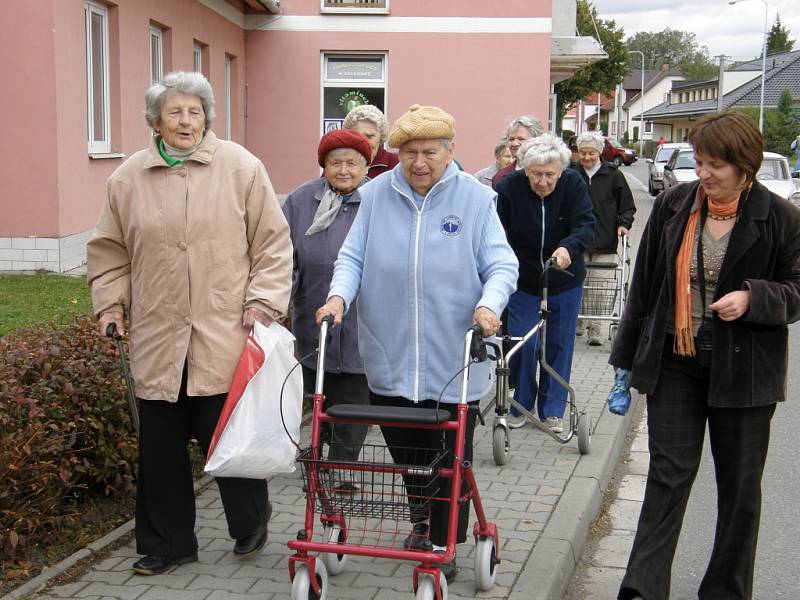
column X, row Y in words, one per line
column 346, row 489
column 418, row 538
column 254, row 542
column 155, row 564
column 448, row 569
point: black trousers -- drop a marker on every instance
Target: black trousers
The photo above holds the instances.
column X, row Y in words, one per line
column 345, row 441
column 404, row 442
column 677, row 414
column 165, row 510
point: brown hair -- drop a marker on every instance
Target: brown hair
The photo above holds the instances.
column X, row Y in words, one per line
column 732, row 137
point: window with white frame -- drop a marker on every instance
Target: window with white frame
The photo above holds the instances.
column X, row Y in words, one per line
column 156, row 54
column 97, row 78
column 354, row 6
column 350, row 80
column 228, row 95
column 648, row 127
column 197, row 53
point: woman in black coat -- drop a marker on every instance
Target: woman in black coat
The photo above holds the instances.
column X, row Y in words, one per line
column 714, row 354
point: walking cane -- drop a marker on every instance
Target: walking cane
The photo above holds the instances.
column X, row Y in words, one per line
column 111, row 331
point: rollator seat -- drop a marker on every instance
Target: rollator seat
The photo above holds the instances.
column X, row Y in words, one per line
column 397, row 414
column 601, row 265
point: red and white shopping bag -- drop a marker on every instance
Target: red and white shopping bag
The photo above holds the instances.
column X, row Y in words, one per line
column 250, row 440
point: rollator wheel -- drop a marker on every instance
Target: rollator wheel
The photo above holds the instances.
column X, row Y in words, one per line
column 485, row 564
column 425, row 589
column 301, row 584
column 335, row 563
column 501, row 445
column 584, row 433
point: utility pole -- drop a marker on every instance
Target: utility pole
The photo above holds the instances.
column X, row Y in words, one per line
column 720, row 84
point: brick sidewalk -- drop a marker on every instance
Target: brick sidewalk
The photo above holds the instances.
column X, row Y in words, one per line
column 519, row 497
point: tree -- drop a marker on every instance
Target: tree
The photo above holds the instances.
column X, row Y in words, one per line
column 601, row 76
column 678, row 49
column 778, row 38
column 780, row 124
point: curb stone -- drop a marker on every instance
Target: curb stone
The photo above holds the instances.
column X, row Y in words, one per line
column 549, row 567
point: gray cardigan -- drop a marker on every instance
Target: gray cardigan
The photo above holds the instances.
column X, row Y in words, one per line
column 314, row 256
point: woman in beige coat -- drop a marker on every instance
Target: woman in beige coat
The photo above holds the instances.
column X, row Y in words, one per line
column 192, row 244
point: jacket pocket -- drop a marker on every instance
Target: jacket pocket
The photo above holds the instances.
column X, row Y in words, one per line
column 225, row 301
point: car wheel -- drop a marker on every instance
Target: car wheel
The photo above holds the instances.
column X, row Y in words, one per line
column 617, row 161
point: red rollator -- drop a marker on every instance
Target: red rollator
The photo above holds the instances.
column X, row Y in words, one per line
column 366, row 508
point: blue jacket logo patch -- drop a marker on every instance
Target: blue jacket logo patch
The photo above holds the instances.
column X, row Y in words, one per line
column 451, row 225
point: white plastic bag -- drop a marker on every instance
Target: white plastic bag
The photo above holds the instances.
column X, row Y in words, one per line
column 250, row 440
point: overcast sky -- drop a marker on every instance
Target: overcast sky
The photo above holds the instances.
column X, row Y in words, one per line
column 735, row 31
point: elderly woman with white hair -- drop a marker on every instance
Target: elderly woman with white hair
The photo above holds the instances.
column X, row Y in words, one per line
column 192, row 247
column 518, row 131
column 546, row 211
column 370, row 122
column 613, row 206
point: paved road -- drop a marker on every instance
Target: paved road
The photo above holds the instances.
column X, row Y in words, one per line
column 602, row 565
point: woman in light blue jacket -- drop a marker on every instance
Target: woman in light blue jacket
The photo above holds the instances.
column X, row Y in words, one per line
column 425, row 258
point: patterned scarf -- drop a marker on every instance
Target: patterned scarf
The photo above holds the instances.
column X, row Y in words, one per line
column 684, row 333
column 329, row 207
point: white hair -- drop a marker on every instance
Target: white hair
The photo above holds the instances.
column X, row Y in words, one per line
column 542, row 150
column 529, row 122
column 190, row 83
column 590, row 139
column 370, row 114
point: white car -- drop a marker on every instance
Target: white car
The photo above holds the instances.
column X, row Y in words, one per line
column 774, row 173
column 679, row 167
column 776, row 176
column 655, row 165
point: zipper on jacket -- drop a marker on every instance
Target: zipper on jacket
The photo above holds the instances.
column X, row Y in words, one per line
column 544, row 228
column 415, row 396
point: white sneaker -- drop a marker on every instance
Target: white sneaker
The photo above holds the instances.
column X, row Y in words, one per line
column 595, row 338
column 515, row 422
column 554, row 424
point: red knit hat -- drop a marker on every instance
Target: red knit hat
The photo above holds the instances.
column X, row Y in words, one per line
column 343, row 138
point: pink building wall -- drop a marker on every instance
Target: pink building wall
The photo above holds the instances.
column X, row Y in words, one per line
column 52, row 188
column 482, row 79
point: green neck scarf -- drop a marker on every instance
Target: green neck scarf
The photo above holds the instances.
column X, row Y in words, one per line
column 167, row 158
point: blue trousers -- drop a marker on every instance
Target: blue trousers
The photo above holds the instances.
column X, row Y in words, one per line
column 523, row 315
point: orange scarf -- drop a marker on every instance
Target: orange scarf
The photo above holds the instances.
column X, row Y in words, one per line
column 684, row 333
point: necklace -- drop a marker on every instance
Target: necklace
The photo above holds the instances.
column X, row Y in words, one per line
column 714, row 217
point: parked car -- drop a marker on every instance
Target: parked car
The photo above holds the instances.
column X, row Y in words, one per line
column 776, row 176
column 613, row 152
column 774, row 173
column 679, row 168
column 655, row 165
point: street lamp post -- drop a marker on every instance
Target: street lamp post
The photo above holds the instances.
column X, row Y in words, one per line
column 763, row 63
column 641, row 104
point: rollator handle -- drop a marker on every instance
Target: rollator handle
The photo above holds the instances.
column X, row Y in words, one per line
column 477, row 350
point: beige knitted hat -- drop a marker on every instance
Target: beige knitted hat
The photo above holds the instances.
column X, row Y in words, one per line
column 422, row 123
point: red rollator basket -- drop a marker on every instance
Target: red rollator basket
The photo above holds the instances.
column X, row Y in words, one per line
column 366, row 508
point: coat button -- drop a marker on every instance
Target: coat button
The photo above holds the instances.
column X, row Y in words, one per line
column 737, row 349
column 187, row 320
column 344, row 209
column 182, row 245
column 182, row 172
column 646, row 339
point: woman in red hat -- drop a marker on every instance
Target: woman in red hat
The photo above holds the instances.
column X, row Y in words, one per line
column 320, row 213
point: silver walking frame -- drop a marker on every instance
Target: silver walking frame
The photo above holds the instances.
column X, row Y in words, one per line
column 580, row 423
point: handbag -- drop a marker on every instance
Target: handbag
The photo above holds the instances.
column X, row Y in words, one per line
column 250, row 440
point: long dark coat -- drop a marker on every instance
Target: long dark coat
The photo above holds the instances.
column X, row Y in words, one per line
column 749, row 355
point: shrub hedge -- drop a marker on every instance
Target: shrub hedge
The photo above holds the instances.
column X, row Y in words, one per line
column 66, row 435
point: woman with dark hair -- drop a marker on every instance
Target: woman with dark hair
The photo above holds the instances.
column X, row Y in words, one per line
column 704, row 335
